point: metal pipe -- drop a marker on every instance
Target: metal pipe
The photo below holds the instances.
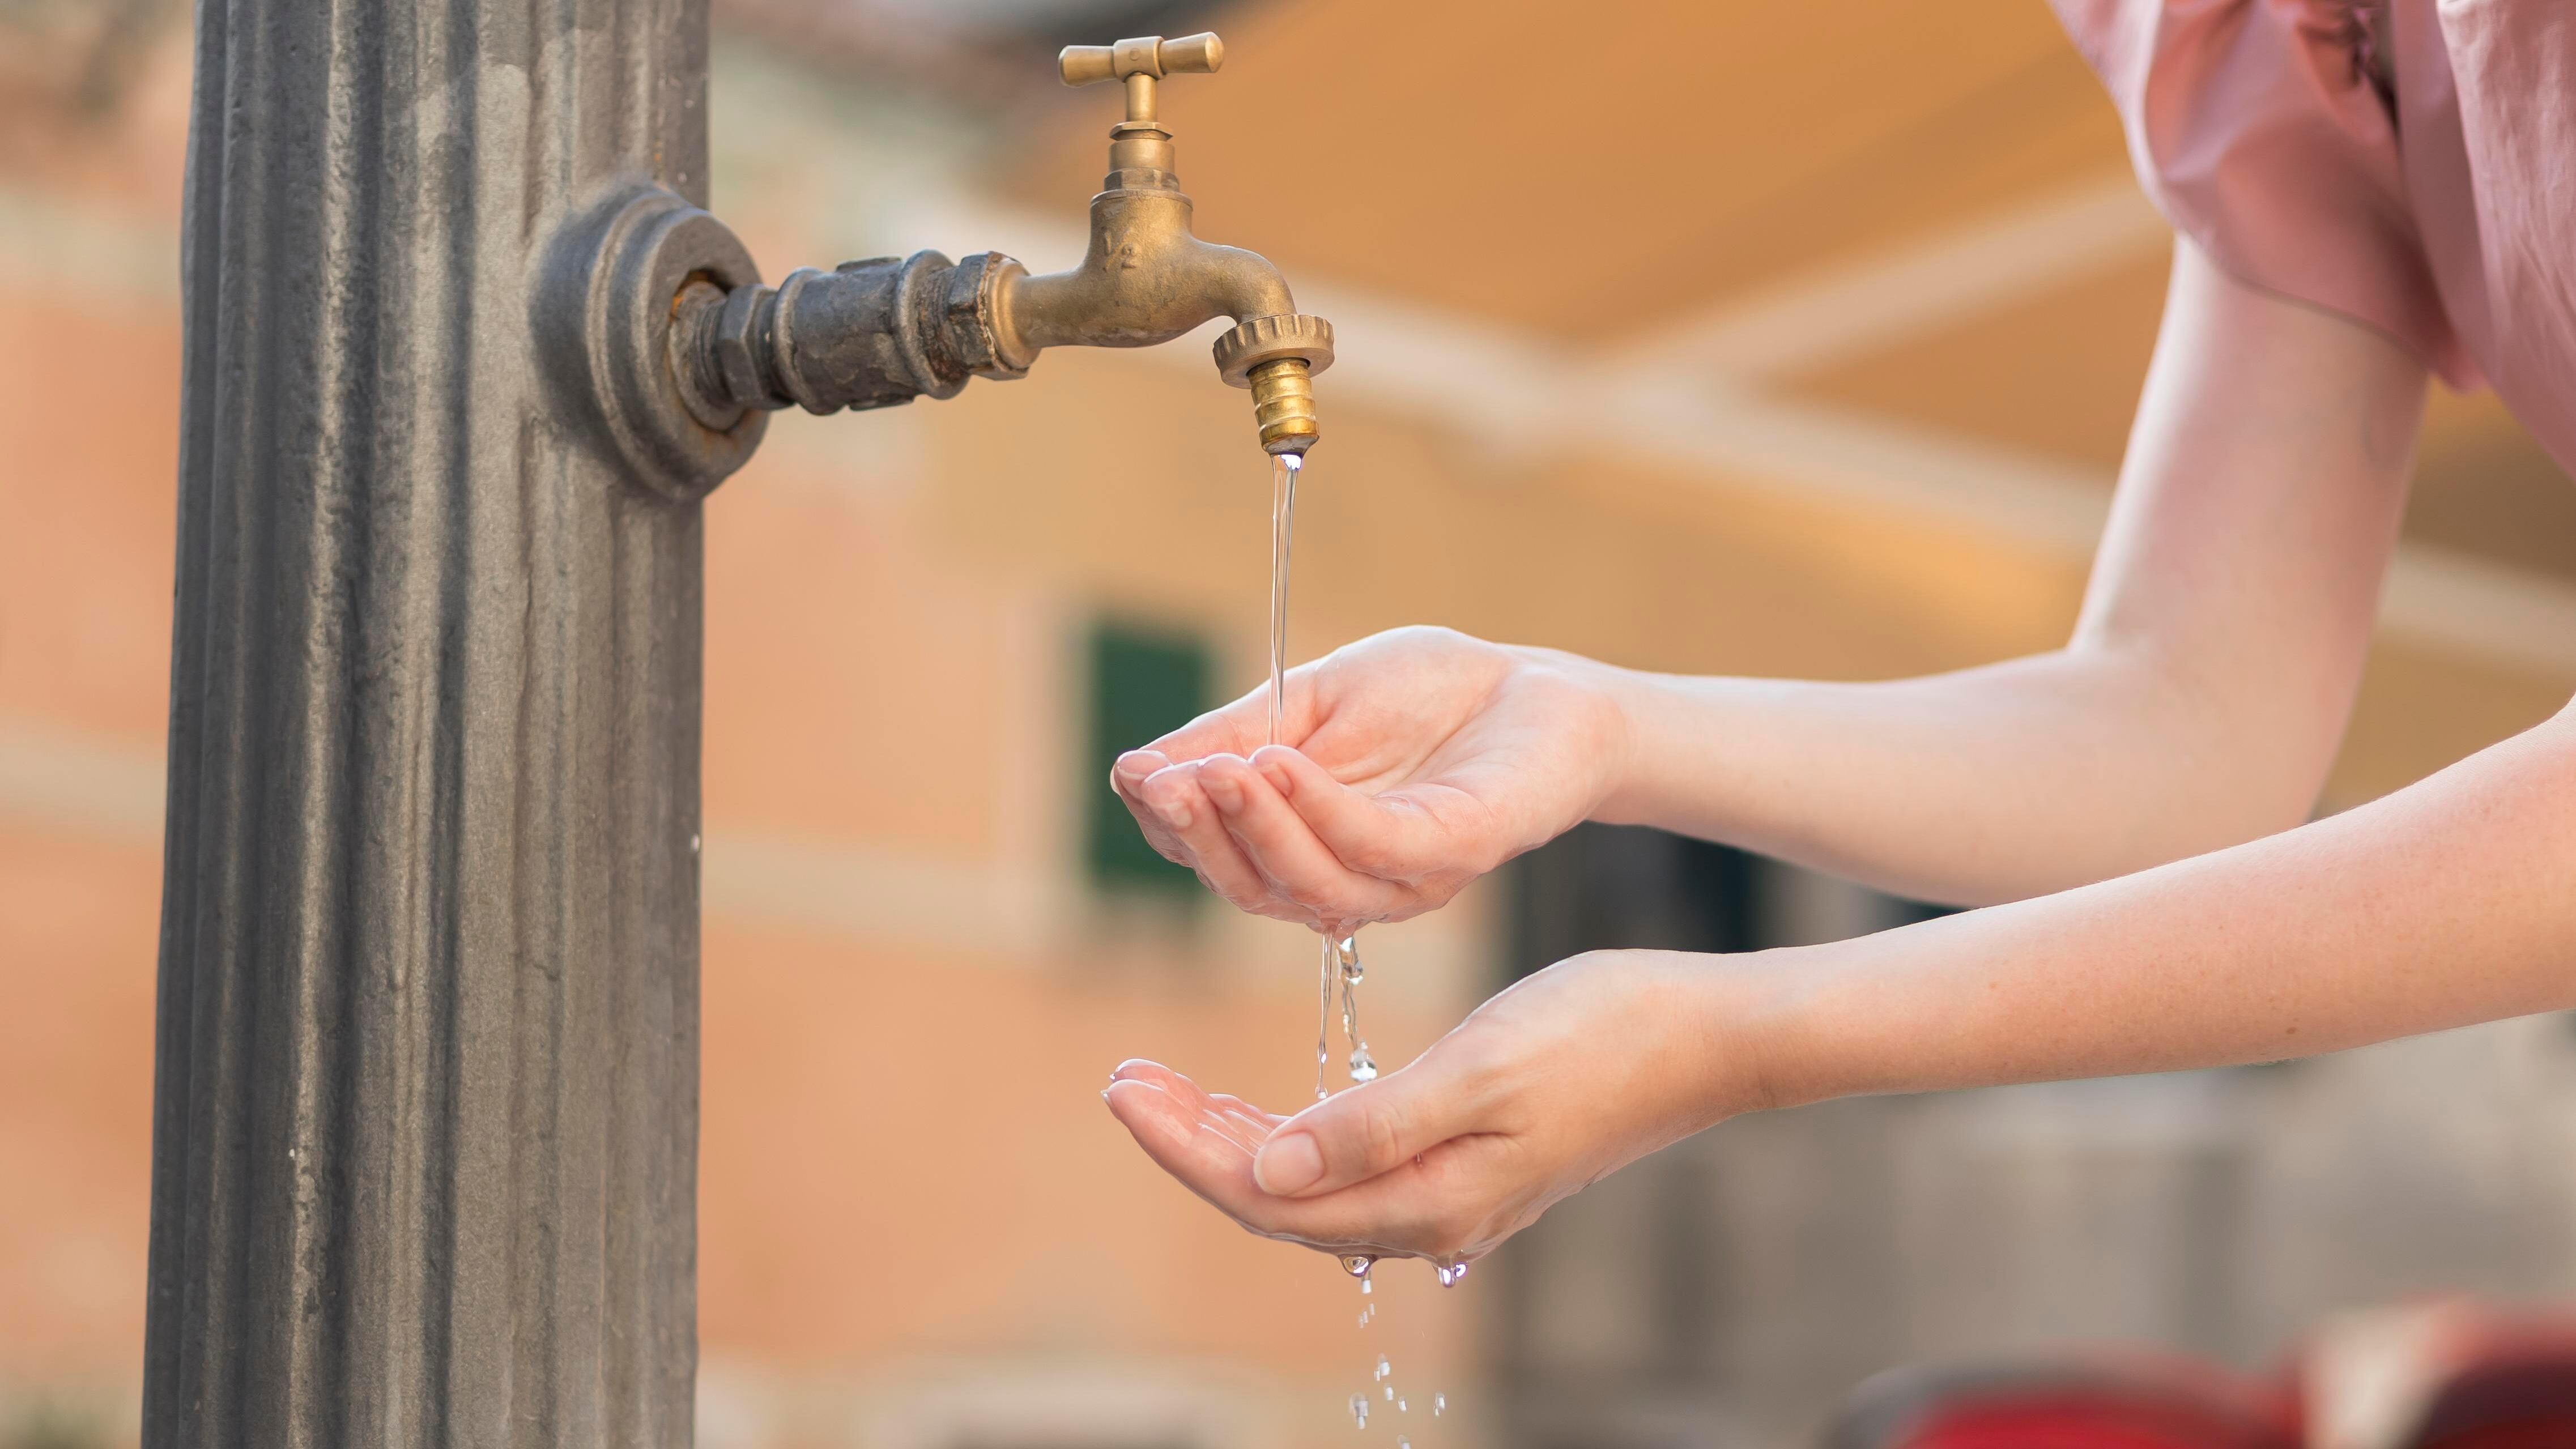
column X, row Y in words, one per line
column 425, row 1098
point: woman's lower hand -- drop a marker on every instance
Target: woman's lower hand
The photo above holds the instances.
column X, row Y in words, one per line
column 1415, row 761
column 1551, row 1085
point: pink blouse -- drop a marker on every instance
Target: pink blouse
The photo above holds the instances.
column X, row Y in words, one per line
column 2446, row 218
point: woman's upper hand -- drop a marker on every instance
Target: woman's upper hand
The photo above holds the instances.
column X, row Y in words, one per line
column 1416, row 760
column 1573, row 1072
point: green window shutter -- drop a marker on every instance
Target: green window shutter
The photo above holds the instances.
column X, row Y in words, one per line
column 1144, row 683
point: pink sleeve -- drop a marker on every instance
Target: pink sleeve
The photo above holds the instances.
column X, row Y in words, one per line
column 2257, row 131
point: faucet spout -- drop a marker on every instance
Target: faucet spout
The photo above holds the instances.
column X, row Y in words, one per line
column 1145, row 281
column 880, row 332
column 1146, row 277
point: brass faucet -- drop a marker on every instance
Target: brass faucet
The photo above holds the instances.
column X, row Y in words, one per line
column 884, row 331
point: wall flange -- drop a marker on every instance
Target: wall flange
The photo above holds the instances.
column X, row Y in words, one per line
column 613, row 284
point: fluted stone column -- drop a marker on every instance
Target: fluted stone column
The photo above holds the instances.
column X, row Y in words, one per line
column 425, row 1115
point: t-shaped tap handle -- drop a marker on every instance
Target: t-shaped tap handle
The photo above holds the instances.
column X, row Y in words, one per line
column 1140, row 62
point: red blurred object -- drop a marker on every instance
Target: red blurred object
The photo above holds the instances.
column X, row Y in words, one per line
column 2466, row 1378
column 2508, row 1383
column 2124, row 1403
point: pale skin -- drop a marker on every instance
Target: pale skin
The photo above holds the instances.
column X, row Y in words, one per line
column 2130, row 810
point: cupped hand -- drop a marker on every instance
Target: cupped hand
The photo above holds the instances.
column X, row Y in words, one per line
column 1409, row 763
column 1545, row 1089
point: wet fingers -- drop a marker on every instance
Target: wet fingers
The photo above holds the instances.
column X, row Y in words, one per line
column 1181, row 802
column 1278, row 844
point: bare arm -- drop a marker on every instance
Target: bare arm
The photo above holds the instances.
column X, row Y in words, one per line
column 2205, row 689
column 2443, row 904
column 2198, row 704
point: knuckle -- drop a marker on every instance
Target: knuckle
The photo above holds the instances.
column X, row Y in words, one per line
column 1480, row 1065
column 1382, row 1137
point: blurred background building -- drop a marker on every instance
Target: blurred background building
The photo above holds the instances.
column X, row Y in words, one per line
column 1711, row 337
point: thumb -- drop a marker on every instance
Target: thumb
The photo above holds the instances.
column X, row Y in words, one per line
column 1370, row 1129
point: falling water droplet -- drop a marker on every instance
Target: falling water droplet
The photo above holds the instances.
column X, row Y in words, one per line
column 1399, row 1406
column 1438, row 1403
column 1448, row 1275
column 1347, row 952
column 1357, row 1264
column 1390, row 1393
column 1359, row 1410
column 1363, row 1066
column 1403, row 1443
column 1323, row 1021
column 1383, row 1369
column 1368, row 1285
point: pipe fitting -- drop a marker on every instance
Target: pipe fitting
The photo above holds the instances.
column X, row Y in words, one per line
column 867, row 334
column 1283, row 403
column 1278, row 357
column 623, row 287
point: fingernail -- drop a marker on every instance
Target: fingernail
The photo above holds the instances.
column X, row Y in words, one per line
column 1277, row 775
column 1175, row 812
column 1136, row 765
column 1288, row 1163
column 1227, row 793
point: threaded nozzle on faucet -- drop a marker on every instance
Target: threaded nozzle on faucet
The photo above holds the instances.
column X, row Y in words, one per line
column 1277, row 357
column 1283, row 403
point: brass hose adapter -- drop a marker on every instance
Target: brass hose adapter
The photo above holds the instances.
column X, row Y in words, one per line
column 1278, row 357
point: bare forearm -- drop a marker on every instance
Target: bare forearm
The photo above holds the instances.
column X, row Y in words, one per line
column 2444, row 904
column 1988, row 784
column 2210, row 674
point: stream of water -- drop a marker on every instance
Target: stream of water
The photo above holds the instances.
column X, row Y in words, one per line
column 1339, row 969
column 1284, row 469
column 1340, row 973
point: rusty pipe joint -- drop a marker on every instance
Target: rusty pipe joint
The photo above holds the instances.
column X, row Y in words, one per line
column 867, row 334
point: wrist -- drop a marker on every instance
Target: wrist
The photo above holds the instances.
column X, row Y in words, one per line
column 1754, row 1028
column 1617, row 702
column 1699, row 1039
